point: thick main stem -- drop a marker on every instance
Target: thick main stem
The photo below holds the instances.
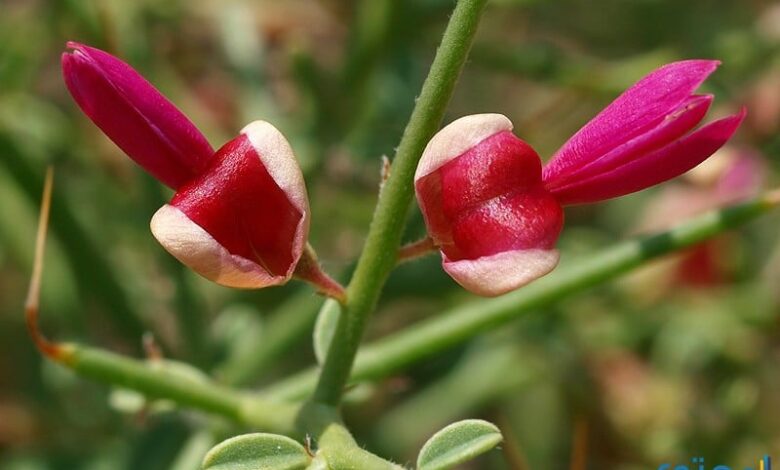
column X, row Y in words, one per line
column 384, row 236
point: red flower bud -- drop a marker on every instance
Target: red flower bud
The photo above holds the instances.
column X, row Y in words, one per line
column 481, row 192
column 240, row 216
column 137, row 117
column 244, row 221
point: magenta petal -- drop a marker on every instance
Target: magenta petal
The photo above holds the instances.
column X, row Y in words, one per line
column 653, row 168
column 133, row 114
column 636, row 111
column 672, row 127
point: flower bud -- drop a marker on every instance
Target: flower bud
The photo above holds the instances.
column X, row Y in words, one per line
column 244, row 221
column 486, row 207
column 133, row 114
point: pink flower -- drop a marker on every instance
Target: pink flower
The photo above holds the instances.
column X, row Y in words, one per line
column 137, row 117
column 240, row 216
column 496, row 214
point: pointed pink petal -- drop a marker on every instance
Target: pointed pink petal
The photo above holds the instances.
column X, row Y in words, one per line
column 653, row 168
column 137, row 117
column 247, row 213
column 500, row 273
column 635, row 112
column 672, row 127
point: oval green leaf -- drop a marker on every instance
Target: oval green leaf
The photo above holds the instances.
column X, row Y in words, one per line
column 457, row 443
column 257, row 451
column 325, row 328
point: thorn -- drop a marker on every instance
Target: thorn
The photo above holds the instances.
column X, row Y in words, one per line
column 31, row 306
column 151, row 348
column 308, row 445
column 385, row 172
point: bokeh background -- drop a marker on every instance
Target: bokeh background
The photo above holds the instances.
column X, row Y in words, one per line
column 681, row 359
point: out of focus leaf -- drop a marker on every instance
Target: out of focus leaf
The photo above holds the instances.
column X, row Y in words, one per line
column 325, row 328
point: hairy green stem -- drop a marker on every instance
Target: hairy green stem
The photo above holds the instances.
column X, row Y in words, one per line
column 399, row 350
column 118, row 370
column 379, row 253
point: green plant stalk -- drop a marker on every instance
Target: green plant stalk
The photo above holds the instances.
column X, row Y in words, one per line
column 384, row 236
column 393, row 353
column 118, row 370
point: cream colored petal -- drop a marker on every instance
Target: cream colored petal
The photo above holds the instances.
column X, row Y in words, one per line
column 498, row 274
column 198, row 250
column 457, row 137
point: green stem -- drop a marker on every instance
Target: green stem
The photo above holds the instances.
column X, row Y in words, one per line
column 379, row 254
column 429, row 337
column 118, row 370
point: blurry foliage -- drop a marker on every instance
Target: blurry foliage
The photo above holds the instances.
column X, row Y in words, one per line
column 641, row 371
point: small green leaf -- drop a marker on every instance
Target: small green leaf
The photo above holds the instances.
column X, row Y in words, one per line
column 457, row 443
column 325, row 328
column 257, row 451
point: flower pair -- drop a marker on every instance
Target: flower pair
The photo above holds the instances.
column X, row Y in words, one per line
column 240, row 215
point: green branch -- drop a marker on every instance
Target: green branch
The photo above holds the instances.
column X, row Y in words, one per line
column 432, row 336
column 379, row 253
column 143, row 377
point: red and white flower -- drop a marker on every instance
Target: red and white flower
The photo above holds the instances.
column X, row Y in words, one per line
column 496, row 214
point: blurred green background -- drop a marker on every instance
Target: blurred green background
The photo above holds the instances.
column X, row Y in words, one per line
column 679, row 360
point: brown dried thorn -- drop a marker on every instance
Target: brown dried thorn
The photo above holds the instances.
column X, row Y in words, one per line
column 46, row 347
